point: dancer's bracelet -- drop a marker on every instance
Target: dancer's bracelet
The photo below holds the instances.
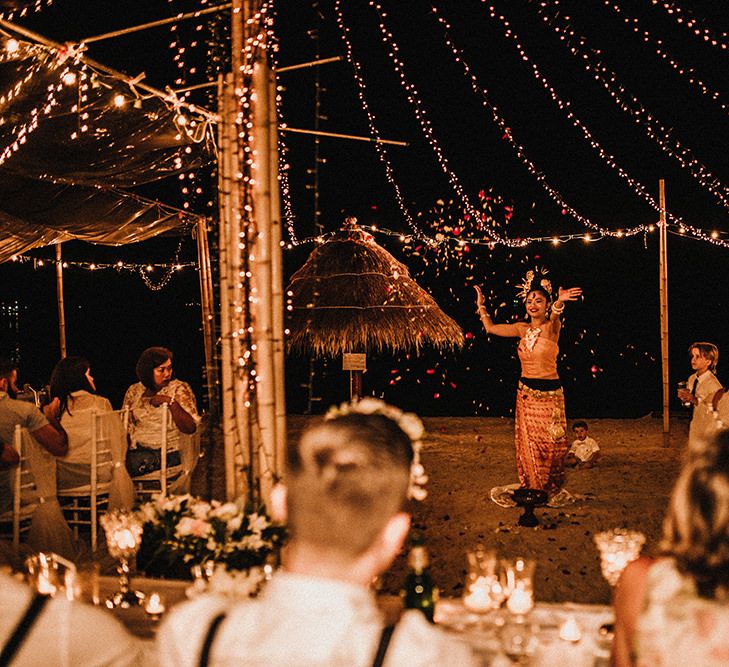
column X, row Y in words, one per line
column 481, row 309
column 558, row 307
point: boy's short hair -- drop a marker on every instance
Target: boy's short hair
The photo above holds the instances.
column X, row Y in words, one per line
column 346, row 478
column 708, row 350
column 579, row 424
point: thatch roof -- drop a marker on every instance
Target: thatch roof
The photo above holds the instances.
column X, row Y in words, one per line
column 352, row 295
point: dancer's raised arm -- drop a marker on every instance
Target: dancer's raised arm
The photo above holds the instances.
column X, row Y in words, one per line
column 505, row 330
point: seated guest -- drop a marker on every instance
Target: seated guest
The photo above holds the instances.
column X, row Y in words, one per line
column 144, row 400
column 348, row 481
column 63, row 633
column 44, row 426
column 673, row 610
column 72, row 383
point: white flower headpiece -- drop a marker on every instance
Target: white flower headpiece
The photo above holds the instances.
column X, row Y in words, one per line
column 409, row 422
column 527, row 284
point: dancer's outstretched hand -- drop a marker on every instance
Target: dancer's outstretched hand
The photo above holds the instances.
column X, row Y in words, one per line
column 569, row 294
column 480, row 301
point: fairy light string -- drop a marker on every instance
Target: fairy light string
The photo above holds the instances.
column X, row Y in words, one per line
column 21, row 12
column 697, row 26
column 380, row 149
column 518, row 148
column 688, row 73
column 421, row 115
column 626, row 101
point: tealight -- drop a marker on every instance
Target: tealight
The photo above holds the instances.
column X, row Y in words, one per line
column 520, row 601
column 154, row 606
column 570, row 630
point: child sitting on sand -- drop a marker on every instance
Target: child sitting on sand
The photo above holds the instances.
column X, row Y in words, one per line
column 584, row 451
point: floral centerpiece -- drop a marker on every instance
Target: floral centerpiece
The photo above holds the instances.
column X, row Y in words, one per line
column 182, row 531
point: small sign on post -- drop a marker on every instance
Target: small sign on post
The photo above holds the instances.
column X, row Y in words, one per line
column 354, row 361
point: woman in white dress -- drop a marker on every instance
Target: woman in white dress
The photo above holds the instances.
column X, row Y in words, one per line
column 673, row 611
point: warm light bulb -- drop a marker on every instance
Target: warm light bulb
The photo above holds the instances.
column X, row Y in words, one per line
column 119, row 100
column 69, row 78
column 12, row 45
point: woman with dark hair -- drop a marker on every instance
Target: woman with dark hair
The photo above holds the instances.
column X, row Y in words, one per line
column 673, row 610
column 85, row 416
column 541, row 425
column 144, row 400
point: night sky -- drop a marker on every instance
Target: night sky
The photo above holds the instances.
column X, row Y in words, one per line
column 610, row 361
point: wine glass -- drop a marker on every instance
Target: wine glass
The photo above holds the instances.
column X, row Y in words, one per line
column 123, row 538
column 617, row 546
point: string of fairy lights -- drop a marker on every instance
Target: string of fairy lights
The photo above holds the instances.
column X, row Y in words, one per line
column 685, row 71
column 20, row 12
column 577, row 46
column 697, row 26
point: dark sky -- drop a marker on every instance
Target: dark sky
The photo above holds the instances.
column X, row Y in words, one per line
column 610, row 344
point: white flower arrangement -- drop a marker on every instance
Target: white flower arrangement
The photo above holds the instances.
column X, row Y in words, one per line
column 182, row 531
column 409, row 422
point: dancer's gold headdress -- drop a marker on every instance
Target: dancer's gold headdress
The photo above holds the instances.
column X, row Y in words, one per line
column 535, row 279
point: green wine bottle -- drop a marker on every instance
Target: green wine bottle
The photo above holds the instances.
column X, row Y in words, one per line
column 418, row 591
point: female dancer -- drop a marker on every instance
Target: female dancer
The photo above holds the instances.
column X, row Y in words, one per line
column 541, row 426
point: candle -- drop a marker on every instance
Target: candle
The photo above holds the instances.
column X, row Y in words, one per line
column 478, row 598
column 124, row 539
column 154, row 606
column 520, row 601
column 570, row 630
column 44, row 585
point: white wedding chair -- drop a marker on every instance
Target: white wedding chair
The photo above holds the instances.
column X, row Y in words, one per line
column 81, row 504
column 25, row 499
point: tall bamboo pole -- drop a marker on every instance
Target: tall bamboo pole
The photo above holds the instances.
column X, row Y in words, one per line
column 262, row 277
column 663, row 282
column 226, row 215
column 277, row 287
column 206, row 306
column 60, row 302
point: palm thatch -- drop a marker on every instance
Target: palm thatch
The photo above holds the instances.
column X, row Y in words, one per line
column 352, row 295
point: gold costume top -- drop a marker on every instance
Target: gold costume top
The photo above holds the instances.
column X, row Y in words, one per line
column 538, row 356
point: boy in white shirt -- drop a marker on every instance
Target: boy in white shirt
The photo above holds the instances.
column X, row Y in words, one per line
column 584, row 451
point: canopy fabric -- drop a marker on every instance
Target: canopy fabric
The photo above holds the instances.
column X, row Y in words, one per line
column 36, row 213
column 68, row 151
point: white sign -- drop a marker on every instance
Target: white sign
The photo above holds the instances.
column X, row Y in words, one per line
column 354, row 361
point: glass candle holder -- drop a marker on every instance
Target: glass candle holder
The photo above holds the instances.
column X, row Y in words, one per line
column 519, row 584
column 617, row 547
column 50, row 573
column 484, row 590
column 123, row 538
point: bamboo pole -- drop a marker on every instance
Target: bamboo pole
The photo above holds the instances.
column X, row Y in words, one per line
column 262, row 280
column 206, row 306
column 225, row 209
column 277, row 286
column 663, row 284
column 59, row 299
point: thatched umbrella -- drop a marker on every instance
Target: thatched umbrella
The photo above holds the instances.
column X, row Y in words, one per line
column 352, row 295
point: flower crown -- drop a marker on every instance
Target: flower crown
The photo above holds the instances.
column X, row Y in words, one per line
column 409, row 422
column 527, row 285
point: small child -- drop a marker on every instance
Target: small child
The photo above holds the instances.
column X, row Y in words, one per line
column 584, row 451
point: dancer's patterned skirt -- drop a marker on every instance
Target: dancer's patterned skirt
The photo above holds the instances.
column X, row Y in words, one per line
column 541, row 438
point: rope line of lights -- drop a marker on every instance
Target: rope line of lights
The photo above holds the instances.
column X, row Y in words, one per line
column 371, row 120
column 272, row 45
column 21, row 12
column 695, row 25
column 566, row 107
column 413, row 97
column 688, row 73
column 627, row 102
column 518, row 148
column 119, row 265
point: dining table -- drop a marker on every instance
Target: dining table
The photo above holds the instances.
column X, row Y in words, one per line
column 563, row 634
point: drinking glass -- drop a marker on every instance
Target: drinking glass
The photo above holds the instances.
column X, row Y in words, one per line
column 49, row 573
column 519, row 584
column 683, row 385
column 617, row 546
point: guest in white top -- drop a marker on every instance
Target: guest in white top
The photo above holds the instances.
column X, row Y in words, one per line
column 347, row 483
column 65, row 633
column 144, row 400
column 700, row 389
